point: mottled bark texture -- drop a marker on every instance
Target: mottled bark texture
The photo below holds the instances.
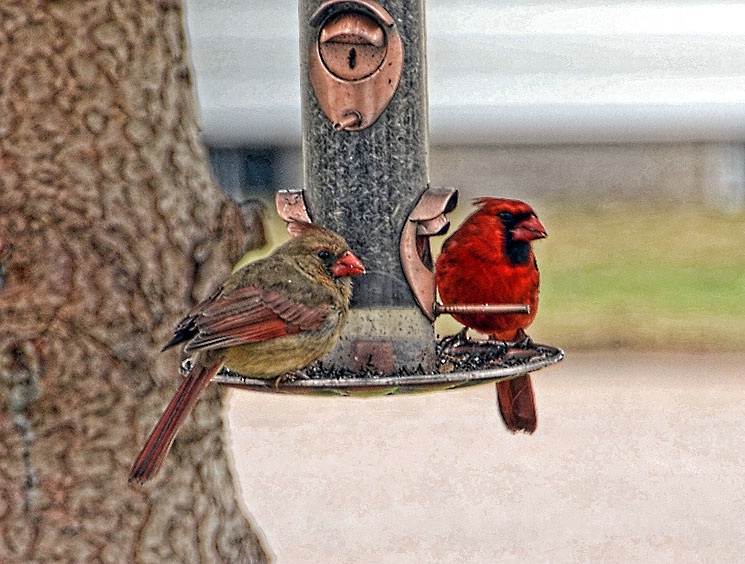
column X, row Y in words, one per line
column 110, row 227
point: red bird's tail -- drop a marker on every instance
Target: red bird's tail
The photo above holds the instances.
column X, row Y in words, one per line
column 151, row 458
column 517, row 404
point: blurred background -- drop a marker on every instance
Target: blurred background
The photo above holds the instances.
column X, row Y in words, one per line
column 545, row 98
column 623, row 123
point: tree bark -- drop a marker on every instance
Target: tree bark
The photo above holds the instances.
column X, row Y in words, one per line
column 110, row 228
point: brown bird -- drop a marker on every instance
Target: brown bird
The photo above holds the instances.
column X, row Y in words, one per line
column 268, row 318
column 489, row 259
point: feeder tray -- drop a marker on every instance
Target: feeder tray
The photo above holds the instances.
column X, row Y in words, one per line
column 462, row 362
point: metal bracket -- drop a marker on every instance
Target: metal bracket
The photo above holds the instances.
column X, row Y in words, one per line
column 426, row 219
column 355, row 61
column 291, row 208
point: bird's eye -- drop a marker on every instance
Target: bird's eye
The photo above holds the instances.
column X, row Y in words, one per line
column 505, row 216
column 324, row 255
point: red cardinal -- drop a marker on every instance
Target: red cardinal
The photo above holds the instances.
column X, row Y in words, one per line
column 270, row 317
column 489, row 259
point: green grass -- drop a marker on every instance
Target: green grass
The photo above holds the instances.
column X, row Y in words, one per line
column 642, row 276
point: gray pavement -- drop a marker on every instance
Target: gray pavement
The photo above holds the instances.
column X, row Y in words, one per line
column 638, row 458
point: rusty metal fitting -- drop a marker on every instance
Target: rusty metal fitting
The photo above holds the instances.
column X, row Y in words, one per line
column 425, row 220
column 497, row 309
column 348, row 121
column 291, row 205
column 355, row 61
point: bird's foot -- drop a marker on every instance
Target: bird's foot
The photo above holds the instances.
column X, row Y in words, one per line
column 521, row 341
column 460, row 345
column 447, row 344
column 520, row 347
column 290, row 377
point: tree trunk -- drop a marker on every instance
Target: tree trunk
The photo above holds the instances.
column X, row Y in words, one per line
column 110, row 228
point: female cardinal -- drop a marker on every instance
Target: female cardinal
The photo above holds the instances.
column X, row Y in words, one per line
column 270, row 317
column 489, row 259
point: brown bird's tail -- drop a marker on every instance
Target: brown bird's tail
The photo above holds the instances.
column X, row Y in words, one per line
column 151, row 458
column 517, row 404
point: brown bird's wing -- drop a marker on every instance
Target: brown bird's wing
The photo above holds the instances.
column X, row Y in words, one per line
column 187, row 327
column 248, row 315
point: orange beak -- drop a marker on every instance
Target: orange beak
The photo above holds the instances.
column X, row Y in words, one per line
column 347, row 265
column 528, row 230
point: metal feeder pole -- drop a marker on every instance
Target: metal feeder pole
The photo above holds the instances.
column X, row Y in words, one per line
column 364, row 182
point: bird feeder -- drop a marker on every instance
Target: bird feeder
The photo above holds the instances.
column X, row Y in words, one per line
column 366, row 176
